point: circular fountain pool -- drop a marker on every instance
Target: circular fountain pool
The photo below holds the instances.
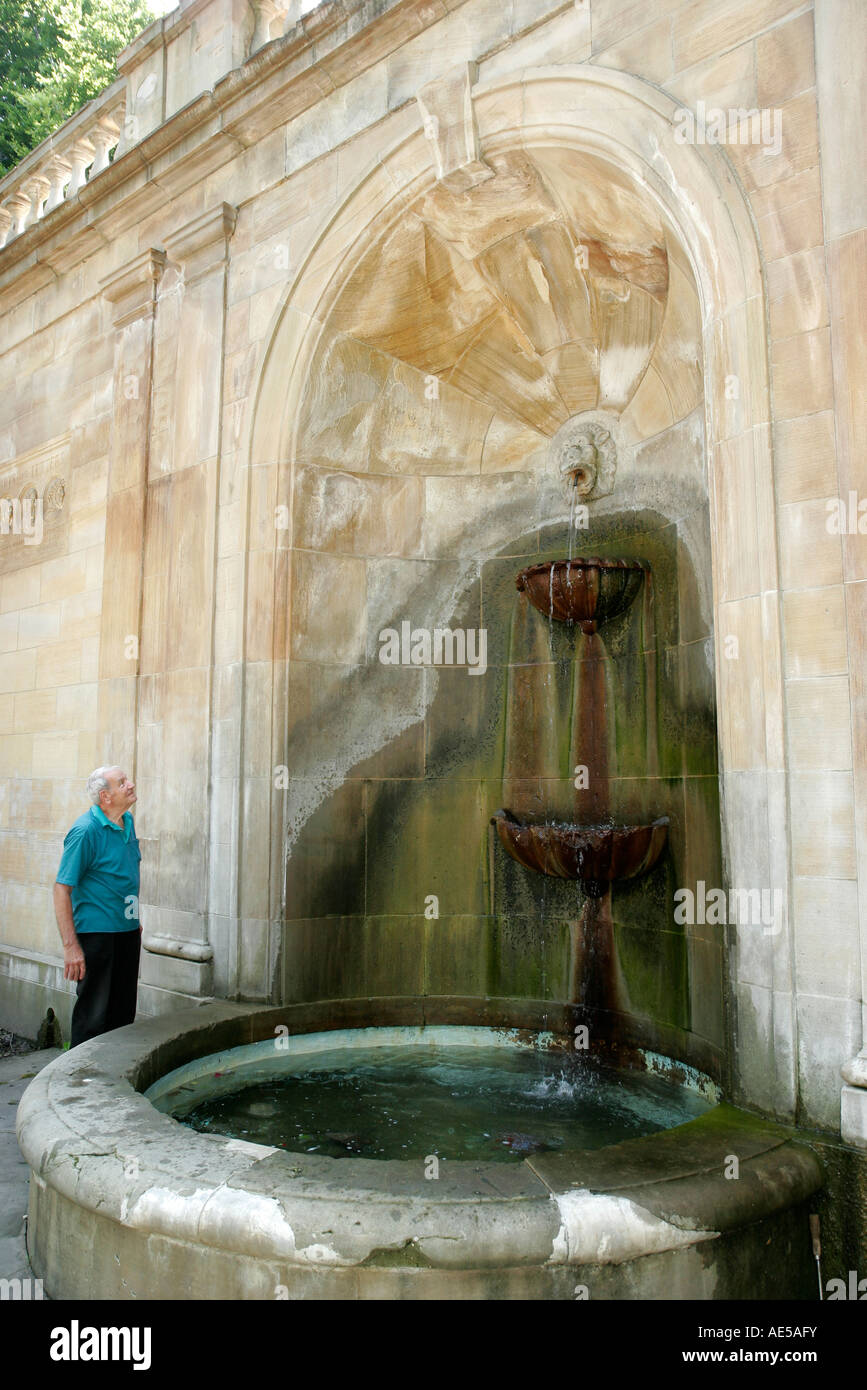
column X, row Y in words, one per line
column 128, row 1202
column 455, row 1093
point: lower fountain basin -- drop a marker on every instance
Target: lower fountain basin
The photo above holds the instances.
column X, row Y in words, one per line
column 596, row 854
column 127, row 1203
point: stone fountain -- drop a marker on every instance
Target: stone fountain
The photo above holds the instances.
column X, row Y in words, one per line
column 597, row 852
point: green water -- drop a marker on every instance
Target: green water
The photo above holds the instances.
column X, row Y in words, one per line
column 483, row 1103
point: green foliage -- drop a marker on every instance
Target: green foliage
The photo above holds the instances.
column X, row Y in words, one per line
column 55, row 55
column 28, row 34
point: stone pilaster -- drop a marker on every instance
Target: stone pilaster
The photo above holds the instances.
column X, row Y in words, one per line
column 179, row 578
column 840, row 30
column 131, row 292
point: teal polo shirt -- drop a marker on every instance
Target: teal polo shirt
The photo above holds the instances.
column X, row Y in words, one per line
column 100, row 864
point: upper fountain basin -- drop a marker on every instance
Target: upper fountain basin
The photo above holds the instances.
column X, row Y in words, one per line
column 596, row 854
column 584, row 591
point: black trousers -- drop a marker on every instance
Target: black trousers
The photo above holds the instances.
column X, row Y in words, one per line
column 107, row 994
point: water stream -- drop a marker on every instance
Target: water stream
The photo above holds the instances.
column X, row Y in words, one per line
column 532, row 748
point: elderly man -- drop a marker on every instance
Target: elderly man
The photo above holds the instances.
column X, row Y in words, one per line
column 96, row 903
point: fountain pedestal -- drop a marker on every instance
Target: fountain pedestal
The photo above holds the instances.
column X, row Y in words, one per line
column 597, row 856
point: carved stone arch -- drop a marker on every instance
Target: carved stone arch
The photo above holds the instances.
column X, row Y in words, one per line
column 630, row 125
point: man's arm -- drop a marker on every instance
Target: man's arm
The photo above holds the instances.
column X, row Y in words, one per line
column 73, row 956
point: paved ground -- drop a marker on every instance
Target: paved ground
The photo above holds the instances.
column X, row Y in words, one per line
column 15, row 1075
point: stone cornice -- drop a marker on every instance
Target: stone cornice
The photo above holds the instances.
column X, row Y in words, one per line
column 336, row 42
column 330, row 46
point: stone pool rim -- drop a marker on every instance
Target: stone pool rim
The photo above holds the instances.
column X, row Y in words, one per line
column 123, row 1196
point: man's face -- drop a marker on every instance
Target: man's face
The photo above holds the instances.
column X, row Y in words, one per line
column 120, row 793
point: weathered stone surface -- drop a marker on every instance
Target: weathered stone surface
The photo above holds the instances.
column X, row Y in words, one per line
column 291, row 362
column 141, row 1196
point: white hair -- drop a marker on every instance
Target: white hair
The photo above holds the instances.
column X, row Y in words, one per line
column 97, row 782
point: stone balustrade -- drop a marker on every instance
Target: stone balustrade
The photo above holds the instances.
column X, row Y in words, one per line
column 273, row 18
column 57, row 170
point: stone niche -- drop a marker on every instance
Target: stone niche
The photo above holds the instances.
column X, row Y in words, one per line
column 538, row 302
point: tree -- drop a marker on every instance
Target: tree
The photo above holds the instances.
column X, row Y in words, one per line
column 55, row 55
column 28, row 35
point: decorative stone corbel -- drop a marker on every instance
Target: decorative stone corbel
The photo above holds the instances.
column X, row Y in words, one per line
column 201, row 245
column 132, row 288
column 449, row 119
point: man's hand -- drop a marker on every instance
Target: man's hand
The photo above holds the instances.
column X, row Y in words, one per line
column 73, row 962
column 73, row 956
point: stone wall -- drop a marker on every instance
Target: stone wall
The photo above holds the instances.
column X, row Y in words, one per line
column 161, row 331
